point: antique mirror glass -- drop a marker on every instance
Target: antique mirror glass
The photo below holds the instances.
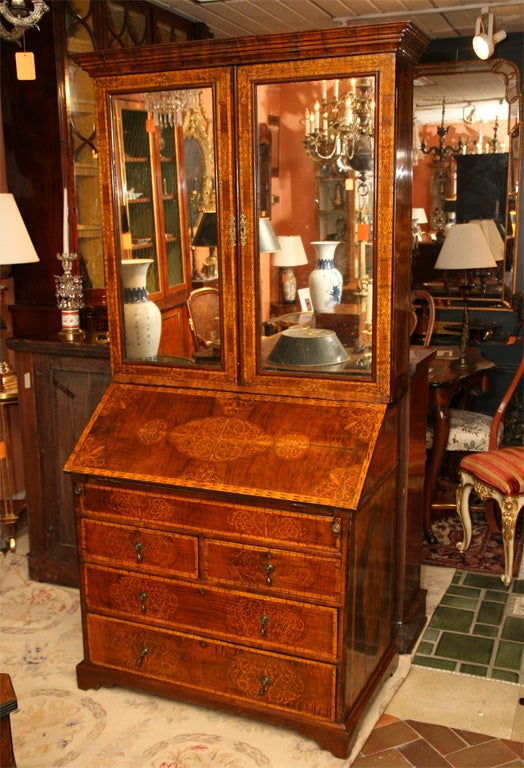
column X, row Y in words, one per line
column 466, row 151
column 315, row 194
column 165, row 210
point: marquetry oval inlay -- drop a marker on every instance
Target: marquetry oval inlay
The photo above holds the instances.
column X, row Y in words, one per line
column 220, row 438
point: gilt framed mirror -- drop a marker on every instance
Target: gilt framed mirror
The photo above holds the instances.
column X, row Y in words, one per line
column 466, row 166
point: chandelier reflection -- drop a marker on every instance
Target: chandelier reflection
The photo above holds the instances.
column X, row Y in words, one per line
column 442, row 150
column 339, row 130
column 170, row 107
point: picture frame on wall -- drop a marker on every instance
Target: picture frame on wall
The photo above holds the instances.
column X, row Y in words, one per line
column 273, row 123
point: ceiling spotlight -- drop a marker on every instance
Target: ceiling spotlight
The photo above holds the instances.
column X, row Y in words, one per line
column 484, row 41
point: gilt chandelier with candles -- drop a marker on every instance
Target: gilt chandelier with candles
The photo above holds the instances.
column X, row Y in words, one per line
column 339, row 129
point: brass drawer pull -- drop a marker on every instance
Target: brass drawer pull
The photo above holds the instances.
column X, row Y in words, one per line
column 138, row 548
column 143, row 653
column 142, row 596
column 264, row 621
column 269, row 568
column 265, row 680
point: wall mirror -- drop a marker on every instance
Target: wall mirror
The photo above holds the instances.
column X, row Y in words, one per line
column 165, row 210
column 467, row 161
column 316, row 291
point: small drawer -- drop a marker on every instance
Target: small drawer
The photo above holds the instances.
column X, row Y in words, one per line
column 225, row 671
column 298, row 527
column 151, row 551
column 268, row 623
column 275, row 570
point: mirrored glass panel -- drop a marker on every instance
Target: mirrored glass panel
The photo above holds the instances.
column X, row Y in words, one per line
column 167, row 226
column 316, row 172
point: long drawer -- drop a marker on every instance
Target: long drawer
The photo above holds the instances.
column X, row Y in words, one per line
column 222, row 670
column 236, row 521
column 221, row 613
column 151, row 551
column 261, row 568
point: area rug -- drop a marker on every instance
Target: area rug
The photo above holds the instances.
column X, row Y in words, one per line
column 477, row 629
column 485, row 554
column 59, row 726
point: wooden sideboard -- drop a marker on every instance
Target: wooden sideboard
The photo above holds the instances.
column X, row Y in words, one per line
column 59, row 387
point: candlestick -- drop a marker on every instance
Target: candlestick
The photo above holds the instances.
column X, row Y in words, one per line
column 65, row 239
column 69, row 299
column 369, row 304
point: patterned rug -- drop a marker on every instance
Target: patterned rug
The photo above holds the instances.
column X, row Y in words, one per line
column 58, row 725
column 485, row 553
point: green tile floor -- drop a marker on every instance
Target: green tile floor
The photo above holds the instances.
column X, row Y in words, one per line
column 477, row 629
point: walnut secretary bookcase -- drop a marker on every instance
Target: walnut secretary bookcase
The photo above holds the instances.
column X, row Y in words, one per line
column 239, row 518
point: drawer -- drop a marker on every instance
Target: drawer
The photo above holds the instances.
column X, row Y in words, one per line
column 267, row 622
column 151, row 551
column 296, row 528
column 224, row 671
column 259, row 568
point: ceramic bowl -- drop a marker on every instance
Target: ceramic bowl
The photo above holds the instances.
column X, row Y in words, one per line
column 308, row 347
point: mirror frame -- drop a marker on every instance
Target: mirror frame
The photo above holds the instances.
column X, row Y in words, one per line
column 513, row 95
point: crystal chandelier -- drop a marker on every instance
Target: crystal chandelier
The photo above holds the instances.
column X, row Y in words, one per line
column 339, row 130
column 169, row 107
column 21, row 15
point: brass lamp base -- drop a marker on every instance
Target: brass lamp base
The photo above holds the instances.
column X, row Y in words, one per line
column 8, row 382
column 72, row 335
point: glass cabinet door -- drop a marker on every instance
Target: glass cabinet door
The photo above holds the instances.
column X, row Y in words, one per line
column 324, row 202
column 165, row 152
column 151, row 218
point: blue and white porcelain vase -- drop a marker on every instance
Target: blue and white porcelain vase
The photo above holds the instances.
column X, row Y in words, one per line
column 325, row 281
column 142, row 317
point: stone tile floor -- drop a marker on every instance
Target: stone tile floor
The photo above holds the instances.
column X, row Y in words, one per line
column 477, row 629
column 396, row 743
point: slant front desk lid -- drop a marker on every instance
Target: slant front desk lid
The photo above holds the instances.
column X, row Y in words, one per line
column 296, row 450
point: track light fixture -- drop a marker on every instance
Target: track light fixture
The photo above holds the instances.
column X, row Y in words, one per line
column 485, row 40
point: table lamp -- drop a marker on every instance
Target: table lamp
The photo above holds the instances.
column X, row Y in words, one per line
column 267, row 240
column 206, row 236
column 465, row 248
column 291, row 254
column 418, row 217
column 17, row 248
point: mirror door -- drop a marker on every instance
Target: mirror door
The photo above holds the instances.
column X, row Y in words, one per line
column 316, row 288
column 165, row 258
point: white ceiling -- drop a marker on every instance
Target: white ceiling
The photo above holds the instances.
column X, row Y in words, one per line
column 437, row 18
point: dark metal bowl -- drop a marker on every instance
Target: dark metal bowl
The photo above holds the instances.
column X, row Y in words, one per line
column 308, row 347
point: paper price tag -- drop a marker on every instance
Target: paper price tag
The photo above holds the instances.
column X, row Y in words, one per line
column 25, row 66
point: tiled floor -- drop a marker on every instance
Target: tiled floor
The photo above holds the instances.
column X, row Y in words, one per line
column 398, row 743
column 477, row 629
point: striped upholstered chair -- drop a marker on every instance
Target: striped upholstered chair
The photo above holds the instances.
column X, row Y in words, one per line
column 498, row 475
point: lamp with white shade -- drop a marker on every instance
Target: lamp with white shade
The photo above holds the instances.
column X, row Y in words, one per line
column 496, row 245
column 465, row 248
column 17, row 248
column 267, row 240
column 418, row 217
column 291, row 254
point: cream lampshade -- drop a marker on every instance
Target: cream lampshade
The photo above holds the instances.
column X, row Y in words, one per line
column 419, row 215
column 267, row 240
column 291, row 254
column 16, row 248
column 465, row 247
column 493, row 236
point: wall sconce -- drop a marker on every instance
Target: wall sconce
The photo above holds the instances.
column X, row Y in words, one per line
column 484, row 41
column 22, row 15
